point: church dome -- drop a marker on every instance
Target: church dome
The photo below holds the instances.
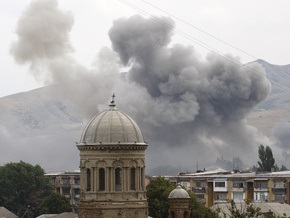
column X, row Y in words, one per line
column 112, row 126
column 178, row 192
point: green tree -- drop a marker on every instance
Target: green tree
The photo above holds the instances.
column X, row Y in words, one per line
column 158, row 191
column 267, row 161
column 55, row 204
column 23, row 186
column 198, row 210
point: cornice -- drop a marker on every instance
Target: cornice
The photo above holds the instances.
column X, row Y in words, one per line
column 112, row 147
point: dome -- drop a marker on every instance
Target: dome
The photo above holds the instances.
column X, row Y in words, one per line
column 112, row 126
column 178, row 192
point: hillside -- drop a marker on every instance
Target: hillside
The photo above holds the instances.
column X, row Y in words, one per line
column 276, row 108
column 41, row 122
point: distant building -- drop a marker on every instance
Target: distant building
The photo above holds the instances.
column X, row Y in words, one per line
column 68, row 185
column 221, row 186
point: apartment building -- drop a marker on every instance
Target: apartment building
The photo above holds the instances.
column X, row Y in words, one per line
column 67, row 184
column 221, row 186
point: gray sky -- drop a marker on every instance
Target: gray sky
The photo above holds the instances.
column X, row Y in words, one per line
column 259, row 28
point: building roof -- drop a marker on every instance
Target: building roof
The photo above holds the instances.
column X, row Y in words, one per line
column 277, row 208
column 4, row 213
column 112, row 126
column 61, row 215
column 178, row 192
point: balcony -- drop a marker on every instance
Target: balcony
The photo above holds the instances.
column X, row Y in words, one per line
column 261, row 189
column 76, row 186
column 279, row 189
column 65, row 185
column 235, row 189
column 198, row 190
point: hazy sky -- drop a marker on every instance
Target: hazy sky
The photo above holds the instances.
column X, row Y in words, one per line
column 259, row 28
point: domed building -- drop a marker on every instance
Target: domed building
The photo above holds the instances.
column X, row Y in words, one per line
column 112, row 167
column 179, row 203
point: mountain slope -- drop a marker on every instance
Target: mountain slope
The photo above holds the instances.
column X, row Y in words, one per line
column 39, row 111
column 40, row 127
column 276, row 109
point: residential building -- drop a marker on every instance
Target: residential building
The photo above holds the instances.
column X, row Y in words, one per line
column 68, row 185
column 220, row 186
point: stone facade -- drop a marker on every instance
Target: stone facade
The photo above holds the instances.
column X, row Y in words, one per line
column 179, row 203
column 112, row 174
column 179, row 208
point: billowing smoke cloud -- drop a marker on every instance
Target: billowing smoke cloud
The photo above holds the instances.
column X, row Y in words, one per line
column 188, row 109
column 43, row 33
column 281, row 133
column 188, row 103
column 44, row 44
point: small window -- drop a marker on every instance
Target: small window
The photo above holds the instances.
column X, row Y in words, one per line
column 220, row 184
column 118, row 179
column 238, row 184
column 102, row 179
column 88, row 180
column 132, row 174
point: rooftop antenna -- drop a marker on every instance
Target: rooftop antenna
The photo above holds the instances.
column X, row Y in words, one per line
column 112, row 103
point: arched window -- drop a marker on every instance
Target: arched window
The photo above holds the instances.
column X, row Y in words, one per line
column 102, row 179
column 132, row 179
column 88, row 180
column 118, row 179
column 142, row 178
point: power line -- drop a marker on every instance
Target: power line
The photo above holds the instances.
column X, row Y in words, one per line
column 190, row 38
column 211, row 35
column 195, row 27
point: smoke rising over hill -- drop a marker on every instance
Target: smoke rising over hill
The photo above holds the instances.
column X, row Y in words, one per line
column 189, row 109
column 190, row 103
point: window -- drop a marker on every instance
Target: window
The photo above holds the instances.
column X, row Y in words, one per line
column 76, row 191
column 77, row 181
column 102, row 179
column 279, row 184
column 238, row 184
column 66, row 181
column 117, row 179
column 52, row 181
column 261, row 185
column 132, row 181
column 66, row 192
column 88, row 180
column 199, row 195
column 220, row 196
column 220, row 184
column 261, row 196
column 141, row 178
column 200, row 184
column 238, row 196
column 280, row 197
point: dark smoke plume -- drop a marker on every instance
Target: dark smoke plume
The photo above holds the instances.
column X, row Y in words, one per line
column 189, row 104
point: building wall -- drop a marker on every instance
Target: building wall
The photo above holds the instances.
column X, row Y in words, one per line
column 253, row 188
column 68, row 185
